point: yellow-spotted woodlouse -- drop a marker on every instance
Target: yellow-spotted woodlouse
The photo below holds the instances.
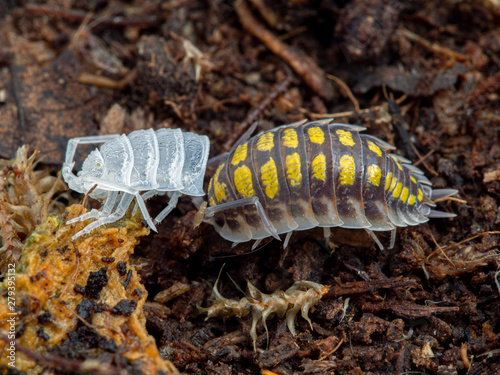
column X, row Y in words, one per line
column 308, row 174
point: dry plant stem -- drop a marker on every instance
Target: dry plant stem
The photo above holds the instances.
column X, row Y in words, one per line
column 332, row 351
column 76, row 15
column 307, row 69
column 100, row 81
column 266, row 13
column 434, row 47
column 462, row 201
column 318, row 116
column 467, row 239
column 255, row 113
column 442, row 251
column 347, row 90
column 422, row 159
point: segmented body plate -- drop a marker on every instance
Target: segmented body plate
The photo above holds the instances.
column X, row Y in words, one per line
column 317, row 174
column 161, row 160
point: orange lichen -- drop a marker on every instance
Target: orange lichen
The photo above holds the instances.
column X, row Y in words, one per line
column 57, row 280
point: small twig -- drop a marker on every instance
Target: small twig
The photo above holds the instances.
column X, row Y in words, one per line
column 470, row 239
column 434, row 47
column 458, row 200
column 305, row 67
column 422, row 160
column 333, row 350
column 255, row 113
column 442, row 251
column 319, row 116
column 100, row 81
column 347, row 90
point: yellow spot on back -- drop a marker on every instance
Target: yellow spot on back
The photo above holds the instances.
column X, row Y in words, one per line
column 219, row 188
column 388, row 180
column 293, row 174
column 269, row 176
column 240, row 154
column 397, row 162
column 319, row 167
column 413, row 179
column 397, row 191
column 316, row 135
column 265, row 142
column 374, row 174
column 345, row 137
column 420, row 195
column 243, row 181
column 393, row 183
column 412, row 200
column 290, row 138
column 347, row 170
column 212, row 202
column 372, row 146
column 210, row 185
column 404, row 194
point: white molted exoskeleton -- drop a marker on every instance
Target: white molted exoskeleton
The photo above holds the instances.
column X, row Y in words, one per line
column 145, row 162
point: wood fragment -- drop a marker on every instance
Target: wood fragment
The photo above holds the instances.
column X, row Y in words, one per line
column 305, row 67
column 414, row 311
column 491, row 176
column 359, row 287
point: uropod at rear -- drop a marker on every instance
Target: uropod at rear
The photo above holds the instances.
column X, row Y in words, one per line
column 309, row 174
column 138, row 166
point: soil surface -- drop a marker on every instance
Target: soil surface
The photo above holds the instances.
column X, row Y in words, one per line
column 423, row 76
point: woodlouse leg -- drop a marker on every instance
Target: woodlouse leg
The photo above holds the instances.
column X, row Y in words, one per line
column 255, row 244
column 171, row 205
column 117, row 215
column 148, row 194
column 393, row 238
column 326, row 235
column 95, row 214
column 287, row 238
column 145, row 212
column 210, row 211
column 375, row 238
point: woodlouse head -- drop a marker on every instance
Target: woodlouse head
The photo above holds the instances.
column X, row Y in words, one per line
column 92, row 168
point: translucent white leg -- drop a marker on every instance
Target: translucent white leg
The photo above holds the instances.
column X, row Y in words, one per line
column 210, row 211
column 326, row 235
column 148, row 194
column 95, row 214
column 375, row 238
column 145, row 212
column 256, row 243
column 171, row 205
column 393, row 238
column 287, row 238
column 117, row 215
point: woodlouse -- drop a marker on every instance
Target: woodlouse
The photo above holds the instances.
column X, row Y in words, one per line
column 155, row 162
column 308, row 174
